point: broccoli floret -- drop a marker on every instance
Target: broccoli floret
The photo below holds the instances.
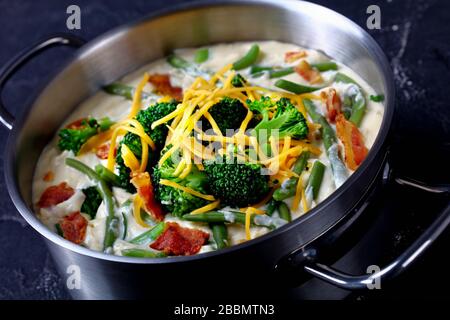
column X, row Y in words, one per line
column 238, row 81
column 287, row 119
column 151, row 114
column 91, row 202
column 176, row 201
column 73, row 139
column 133, row 142
column 236, row 184
column 228, row 114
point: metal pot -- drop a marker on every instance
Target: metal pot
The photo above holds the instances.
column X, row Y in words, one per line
column 124, row 49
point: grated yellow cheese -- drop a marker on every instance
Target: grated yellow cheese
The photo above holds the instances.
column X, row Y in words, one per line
column 304, row 202
column 138, row 130
column 248, row 214
column 298, row 193
column 129, row 158
column 244, row 123
column 213, row 123
column 137, row 205
column 186, row 189
column 207, row 208
column 136, row 105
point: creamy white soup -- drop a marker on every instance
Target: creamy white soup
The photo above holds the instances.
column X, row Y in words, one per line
column 205, row 149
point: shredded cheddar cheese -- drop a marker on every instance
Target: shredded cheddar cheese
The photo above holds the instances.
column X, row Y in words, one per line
column 175, row 185
column 136, row 105
column 129, row 158
column 298, row 194
column 207, row 208
column 137, row 205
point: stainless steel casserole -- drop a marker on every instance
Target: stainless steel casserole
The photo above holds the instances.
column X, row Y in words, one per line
column 125, row 49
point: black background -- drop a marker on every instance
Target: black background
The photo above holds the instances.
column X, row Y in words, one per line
column 415, row 36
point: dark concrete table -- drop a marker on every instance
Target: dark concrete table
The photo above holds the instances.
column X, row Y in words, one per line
column 414, row 35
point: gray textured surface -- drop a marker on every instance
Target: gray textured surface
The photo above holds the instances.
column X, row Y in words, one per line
column 414, row 35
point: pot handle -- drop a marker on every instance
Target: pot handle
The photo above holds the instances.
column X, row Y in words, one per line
column 6, row 118
column 307, row 258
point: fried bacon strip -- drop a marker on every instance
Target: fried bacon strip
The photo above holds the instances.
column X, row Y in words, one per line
column 162, row 85
column 348, row 133
column 308, row 73
column 292, row 56
column 176, row 240
column 55, row 194
column 49, row 176
column 74, row 227
column 144, row 187
column 102, row 151
column 333, row 103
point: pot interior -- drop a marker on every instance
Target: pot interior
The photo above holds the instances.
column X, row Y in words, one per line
column 125, row 49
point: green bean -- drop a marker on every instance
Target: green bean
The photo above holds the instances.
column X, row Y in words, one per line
column 287, row 190
column 294, row 87
column 259, row 69
column 281, row 72
column 284, row 212
column 112, row 221
column 315, row 178
column 141, row 253
column 107, row 175
column 220, row 234
column 358, row 102
column 340, row 172
column 272, row 207
column 178, row 62
column 377, row 98
column 250, row 58
column 125, row 226
column 325, row 66
column 328, row 135
column 123, row 90
column 105, row 123
column 150, row 235
column 221, row 217
column 278, row 73
column 190, row 68
column 340, row 77
column 201, row 55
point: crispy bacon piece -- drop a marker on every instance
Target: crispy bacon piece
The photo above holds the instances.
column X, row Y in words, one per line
column 348, row 133
column 162, row 85
column 333, row 102
column 103, row 151
column 308, row 73
column 49, row 176
column 144, row 187
column 179, row 241
column 55, row 194
column 292, row 56
column 77, row 124
column 74, row 227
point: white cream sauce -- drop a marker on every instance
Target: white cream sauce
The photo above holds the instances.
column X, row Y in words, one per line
column 116, row 108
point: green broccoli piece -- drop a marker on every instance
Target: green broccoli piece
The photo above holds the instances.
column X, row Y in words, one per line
column 238, row 81
column 91, row 202
column 153, row 113
column 73, row 139
column 287, row 120
column 228, row 114
column 176, row 201
column 133, row 142
column 236, row 184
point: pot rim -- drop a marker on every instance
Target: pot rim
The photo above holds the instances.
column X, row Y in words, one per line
column 372, row 46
